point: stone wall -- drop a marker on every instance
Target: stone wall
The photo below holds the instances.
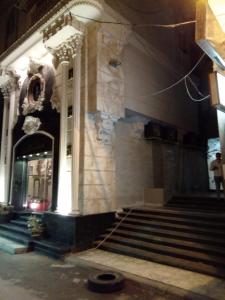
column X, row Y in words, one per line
column 146, row 72
column 117, row 163
column 97, row 180
column 142, row 164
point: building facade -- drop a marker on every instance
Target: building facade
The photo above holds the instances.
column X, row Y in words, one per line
column 78, row 89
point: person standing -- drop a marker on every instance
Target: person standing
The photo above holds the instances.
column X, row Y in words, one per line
column 216, row 167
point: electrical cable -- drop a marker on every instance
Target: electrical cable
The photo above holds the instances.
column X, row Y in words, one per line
column 165, row 25
column 195, row 86
column 135, row 24
column 177, row 82
column 160, row 26
column 190, row 96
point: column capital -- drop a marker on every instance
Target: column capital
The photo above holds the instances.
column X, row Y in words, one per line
column 68, row 49
column 8, row 83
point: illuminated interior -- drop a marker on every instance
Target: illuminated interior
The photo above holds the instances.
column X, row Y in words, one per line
column 221, row 88
column 218, row 8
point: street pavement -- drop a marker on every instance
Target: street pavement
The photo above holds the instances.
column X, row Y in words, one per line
column 33, row 276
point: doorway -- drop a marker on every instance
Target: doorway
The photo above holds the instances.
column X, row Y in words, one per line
column 213, row 148
column 32, row 175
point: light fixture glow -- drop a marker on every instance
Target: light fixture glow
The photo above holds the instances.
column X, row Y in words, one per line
column 30, row 155
column 218, row 8
column 24, row 156
column 34, row 205
column 221, row 88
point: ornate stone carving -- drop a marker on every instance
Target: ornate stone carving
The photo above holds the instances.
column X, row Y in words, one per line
column 58, row 25
column 34, row 66
column 8, row 82
column 31, row 125
column 35, row 94
column 69, row 48
column 105, row 124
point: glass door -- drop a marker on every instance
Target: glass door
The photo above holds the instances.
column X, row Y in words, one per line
column 39, row 183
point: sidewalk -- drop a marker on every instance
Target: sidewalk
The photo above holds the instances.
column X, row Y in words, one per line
column 32, row 276
column 184, row 284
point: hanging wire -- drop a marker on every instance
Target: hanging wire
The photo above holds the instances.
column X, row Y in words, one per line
column 175, row 25
column 179, row 81
column 195, row 86
column 191, row 97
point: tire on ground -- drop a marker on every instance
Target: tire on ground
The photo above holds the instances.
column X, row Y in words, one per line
column 106, row 282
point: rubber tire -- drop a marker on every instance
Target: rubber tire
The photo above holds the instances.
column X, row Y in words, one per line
column 106, row 282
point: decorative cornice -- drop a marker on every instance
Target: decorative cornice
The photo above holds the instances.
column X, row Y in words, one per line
column 57, row 9
column 59, row 23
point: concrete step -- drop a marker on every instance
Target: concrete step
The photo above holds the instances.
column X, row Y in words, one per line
column 178, row 227
column 12, row 247
column 16, row 237
column 177, row 220
column 201, row 207
column 203, row 202
column 18, row 222
column 164, row 259
column 168, row 250
column 51, row 248
column 193, row 215
column 179, row 243
column 15, row 229
column 205, row 239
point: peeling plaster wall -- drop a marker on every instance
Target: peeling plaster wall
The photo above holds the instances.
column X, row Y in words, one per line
column 118, row 164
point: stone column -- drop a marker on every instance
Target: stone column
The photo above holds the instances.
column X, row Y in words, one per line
column 9, row 84
column 76, row 131
column 63, row 55
column 3, row 148
column 12, row 101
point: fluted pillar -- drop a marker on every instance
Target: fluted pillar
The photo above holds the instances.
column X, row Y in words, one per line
column 63, row 203
column 3, row 187
column 8, row 85
column 76, row 132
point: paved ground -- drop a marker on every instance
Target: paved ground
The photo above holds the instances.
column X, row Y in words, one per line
column 186, row 284
column 35, row 277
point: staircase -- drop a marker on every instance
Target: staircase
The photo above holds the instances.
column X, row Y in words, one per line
column 198, row 202
column 183, row 234
column 15, row 238
column 16, row 231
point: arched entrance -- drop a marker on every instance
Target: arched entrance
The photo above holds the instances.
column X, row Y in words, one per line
column 32, row 172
